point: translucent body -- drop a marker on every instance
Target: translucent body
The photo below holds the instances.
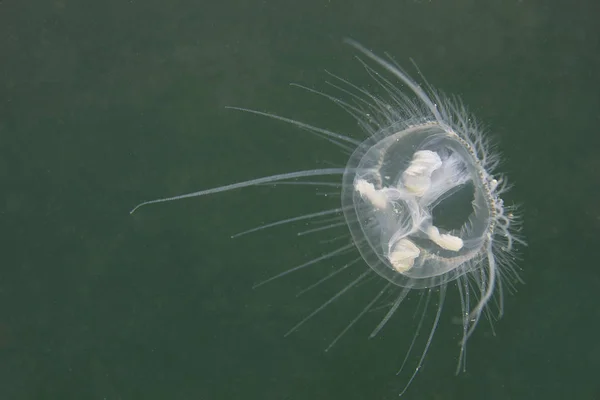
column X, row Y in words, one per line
column 420, row 198
column 404, row 220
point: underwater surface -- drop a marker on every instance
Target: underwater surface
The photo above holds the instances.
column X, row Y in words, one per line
column 104, row 105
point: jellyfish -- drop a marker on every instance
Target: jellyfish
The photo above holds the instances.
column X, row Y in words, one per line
column 420, row 201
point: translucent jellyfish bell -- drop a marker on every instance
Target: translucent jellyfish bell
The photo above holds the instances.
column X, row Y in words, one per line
column 391, row 188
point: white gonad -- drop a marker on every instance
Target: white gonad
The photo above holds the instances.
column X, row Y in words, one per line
column 421, row 201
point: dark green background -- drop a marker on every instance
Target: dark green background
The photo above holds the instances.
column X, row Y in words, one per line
column 104, row 104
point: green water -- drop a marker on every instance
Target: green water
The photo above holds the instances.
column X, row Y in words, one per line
column 106, row 104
